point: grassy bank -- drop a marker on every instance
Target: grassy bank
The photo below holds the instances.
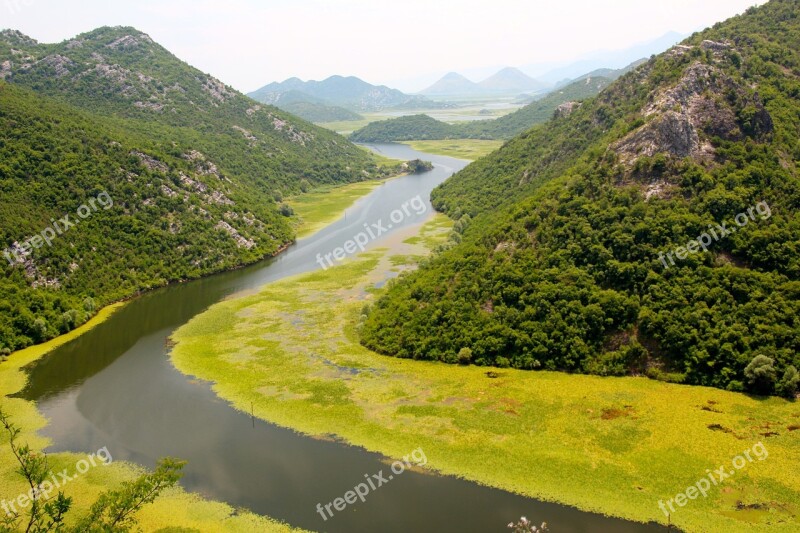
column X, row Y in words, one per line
column 317, row 209
column 614, row 445
column 469, row 149
column 175, row 509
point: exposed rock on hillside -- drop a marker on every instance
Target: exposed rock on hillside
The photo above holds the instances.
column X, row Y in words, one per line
column 683, row 120
column 566, row 109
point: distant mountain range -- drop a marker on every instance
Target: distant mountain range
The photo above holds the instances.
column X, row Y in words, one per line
column 613, row 59
column 508, row 81
column 536, row 111
column 350, row 93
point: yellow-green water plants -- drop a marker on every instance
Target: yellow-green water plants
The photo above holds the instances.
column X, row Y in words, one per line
column 613, row 445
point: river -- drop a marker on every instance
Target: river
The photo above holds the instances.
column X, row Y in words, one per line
column 115, row 387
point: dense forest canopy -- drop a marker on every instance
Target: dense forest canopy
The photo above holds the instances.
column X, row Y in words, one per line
column 557, row 262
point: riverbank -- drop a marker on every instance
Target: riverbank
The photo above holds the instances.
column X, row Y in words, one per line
column 320, row 207
column 316, row 209
column 174, row 509
column 467, row 149
column 612, row 445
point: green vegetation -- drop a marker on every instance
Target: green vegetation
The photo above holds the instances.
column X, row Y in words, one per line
column 610, row 445
column 407, row 128
column 469, row 149
column 113, row 511
column 558, row 267
column 174, row 509
column 423, row 127
column 186, row 161
column 311, row 109
column 314, row 112
column 319, row 208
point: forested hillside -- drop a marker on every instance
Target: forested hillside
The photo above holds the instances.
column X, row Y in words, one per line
column 193, row 171
column 121, row 72
column 562, row 262
column 425, row 128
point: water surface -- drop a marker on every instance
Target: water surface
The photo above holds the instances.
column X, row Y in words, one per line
column 115, row 387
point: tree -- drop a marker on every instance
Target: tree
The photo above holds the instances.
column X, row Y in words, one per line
column 787, row 387
column 760, row 374
column 286, row 210
column 112, row 512
column 40, row 330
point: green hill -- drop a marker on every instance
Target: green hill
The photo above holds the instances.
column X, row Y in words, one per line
column 319, row 112
column 562, row 260
column 187, row 168
column 407, row 128
column 311, row 109
column 425, row 128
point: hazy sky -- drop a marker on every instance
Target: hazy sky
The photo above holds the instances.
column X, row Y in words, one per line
column 249, row 43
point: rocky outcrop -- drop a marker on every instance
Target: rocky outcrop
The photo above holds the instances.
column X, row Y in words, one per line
column 149, row 106
column 15, row 37
column 705, row 104
column 241, row 242
column 151, row 162
column 564, row 110
column 129, row 41
column 59, row 64
column 671, row 132
column 217, row 89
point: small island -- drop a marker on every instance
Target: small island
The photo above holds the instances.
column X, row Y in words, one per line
column 417, row 166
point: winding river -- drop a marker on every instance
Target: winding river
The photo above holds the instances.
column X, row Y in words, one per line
column 115, row 387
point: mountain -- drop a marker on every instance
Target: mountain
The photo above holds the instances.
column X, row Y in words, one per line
column 607, row 73
column 423, row 127
column 319, row 113
column 160, row 173
column 348, row 92
column 604, row 59
column 311, row 109
column 407, row 128
column 653, row 230
column 452, row 84
column 511, row 81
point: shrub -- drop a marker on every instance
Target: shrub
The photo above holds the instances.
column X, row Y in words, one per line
column 760, row 374
column 787, row 387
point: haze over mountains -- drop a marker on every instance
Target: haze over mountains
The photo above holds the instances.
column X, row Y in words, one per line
column 339, row 91
column 508, row 81
column 536, row 110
